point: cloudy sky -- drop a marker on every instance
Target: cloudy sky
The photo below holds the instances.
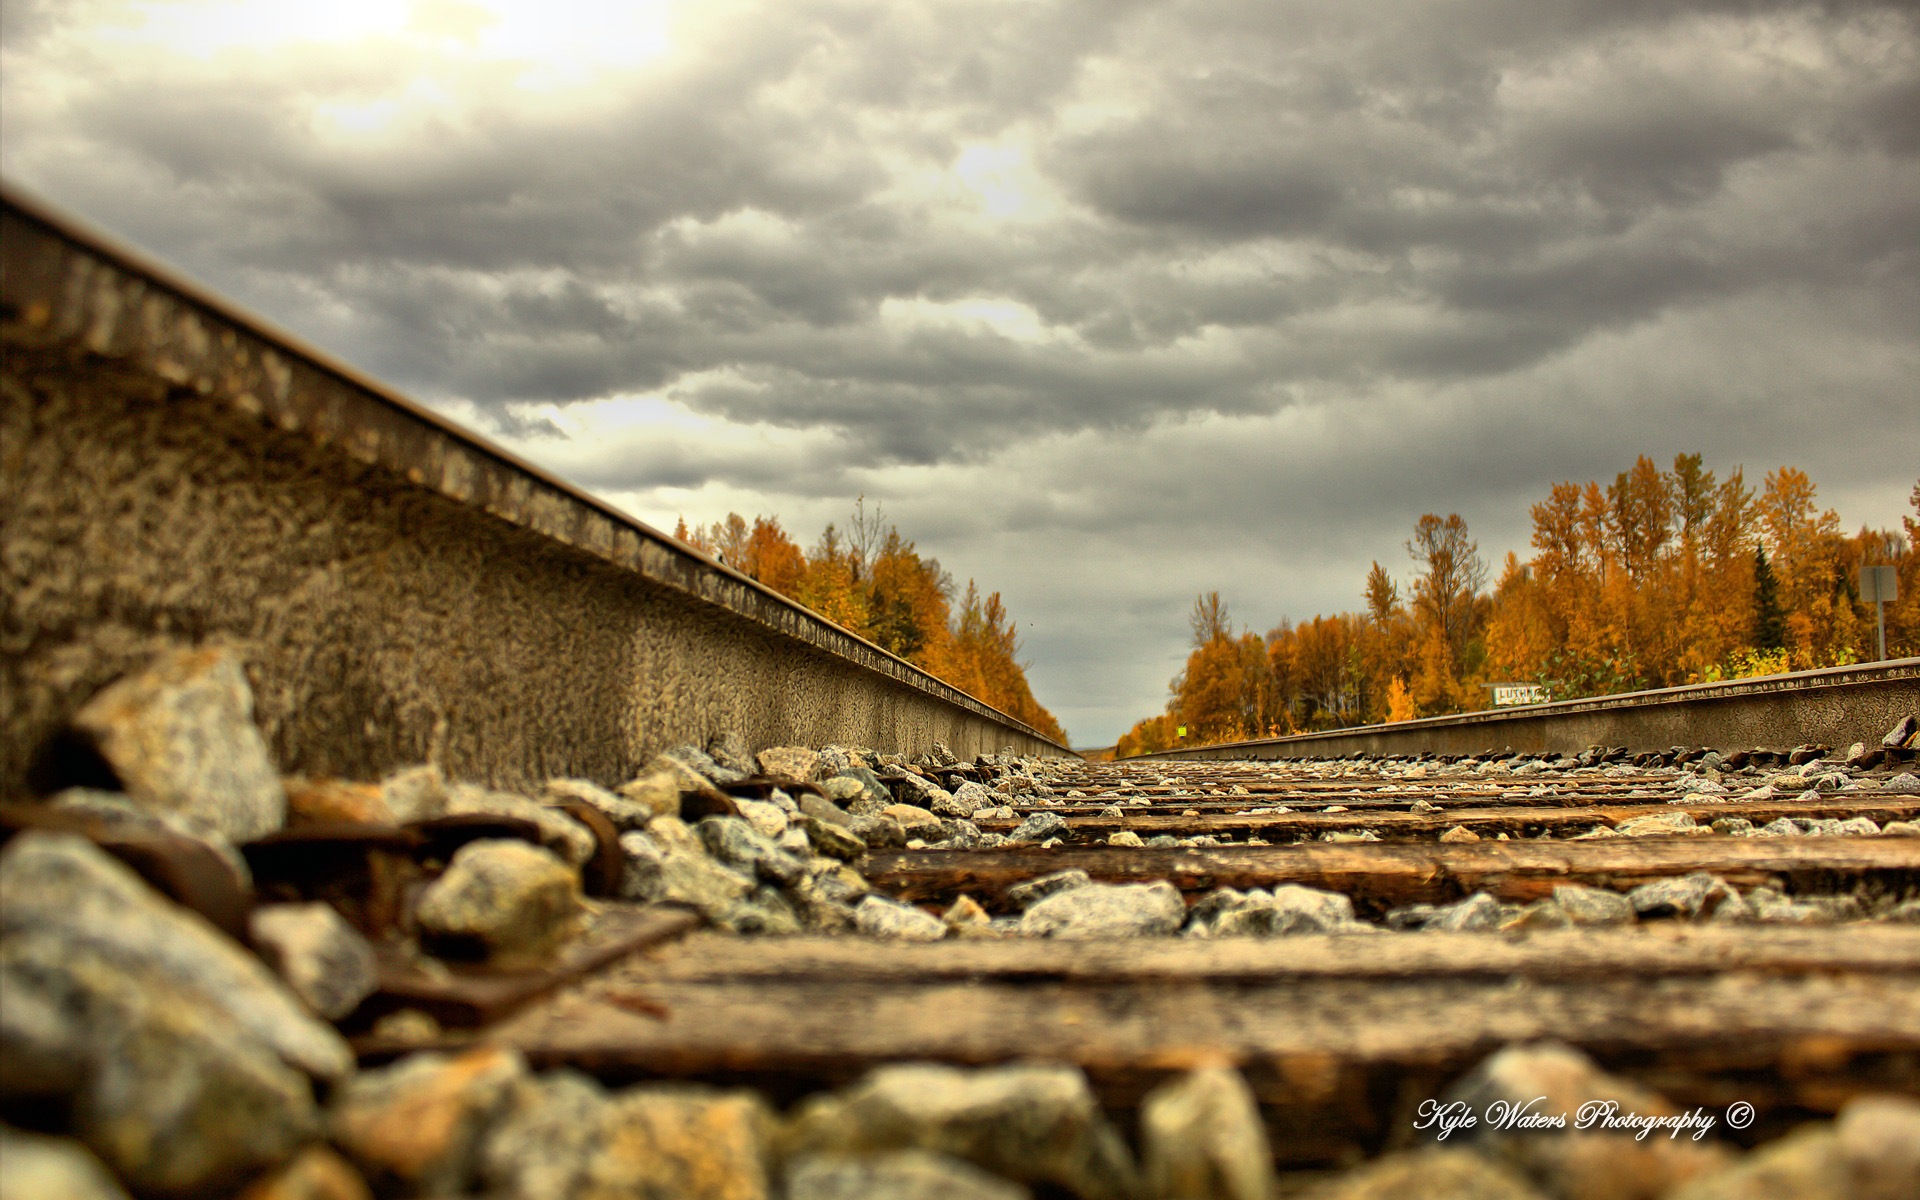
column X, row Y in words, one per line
column 1107, row 303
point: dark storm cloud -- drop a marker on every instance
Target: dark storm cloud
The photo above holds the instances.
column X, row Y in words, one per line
column 1491, row 164
column 1341, row 263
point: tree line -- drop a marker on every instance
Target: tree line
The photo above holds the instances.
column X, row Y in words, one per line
column 874, row 583
column 1657, row 579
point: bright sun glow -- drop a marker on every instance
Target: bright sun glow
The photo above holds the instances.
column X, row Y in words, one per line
column 558, row 42
column 1001, row 179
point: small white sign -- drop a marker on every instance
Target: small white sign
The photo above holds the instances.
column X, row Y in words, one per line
column 1505, row 694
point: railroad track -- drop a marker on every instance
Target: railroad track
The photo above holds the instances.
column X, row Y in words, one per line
column 1352, row 937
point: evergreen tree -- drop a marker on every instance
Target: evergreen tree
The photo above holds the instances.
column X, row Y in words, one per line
column 1769, row 620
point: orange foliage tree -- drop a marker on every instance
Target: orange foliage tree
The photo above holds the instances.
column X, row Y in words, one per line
column 1661, row 577
column 873, row 582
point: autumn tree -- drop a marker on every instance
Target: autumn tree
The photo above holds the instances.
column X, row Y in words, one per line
column 1451, row 574
column 773, row 558
column 873, row 582
column 985, row 663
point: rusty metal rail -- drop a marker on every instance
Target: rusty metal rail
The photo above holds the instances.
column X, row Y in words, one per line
column 175, row 470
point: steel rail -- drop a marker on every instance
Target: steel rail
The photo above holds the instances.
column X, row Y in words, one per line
column 1834, row 706
column 179, row 471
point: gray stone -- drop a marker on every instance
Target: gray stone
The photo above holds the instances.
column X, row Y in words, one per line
column 1338, row 836
column 1879, row 1139
column 65, row 888
column 558, row 832
column 762, row 911
column 833, row 840
column 732, row 754
column 1202, row 1139
column 1900, row 734
column 1789, row 912
column 318, row 955
column 662, row 1141
column 1287, row 909
column 416, row 793
column 1025, row 895
column 1774, row 907
column 668, row 864
column 1872, row 1152
column 164, row 1083
column 879, row 833
column 739, row 845
column 541, row 1138
column 1694, row 896
column 973, row 797
column 872, row 795
column 966, row 918
column 1541, row 914
column 795, row 763
column 35, row 1167
column 1548, row 1080
column 1107, row 910
column 796, row 842
column 843, row 788
column 1906, row 783
column 1733, row 827
column 767, row 819
column 1659, row 824
column 924, row 793
column 1038, row 828
column 914, row 821
column 624, row 813
column 502, row 900
column 416, row 1125
column 659, row 789
column 691, row 769
column 1207, row 909
column 895, row 1175
column 825, row 896
column 117, row 810
column 958, row 833
column 1037, row 1124
column 1593, row 906
column 1732, row 910
column 822, row 809
column 1476, row 912
column 836, row 759
column 1907, row 912
column 180, row 737
column 878, row 916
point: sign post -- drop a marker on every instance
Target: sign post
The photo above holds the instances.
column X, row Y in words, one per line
column 1880, row 585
